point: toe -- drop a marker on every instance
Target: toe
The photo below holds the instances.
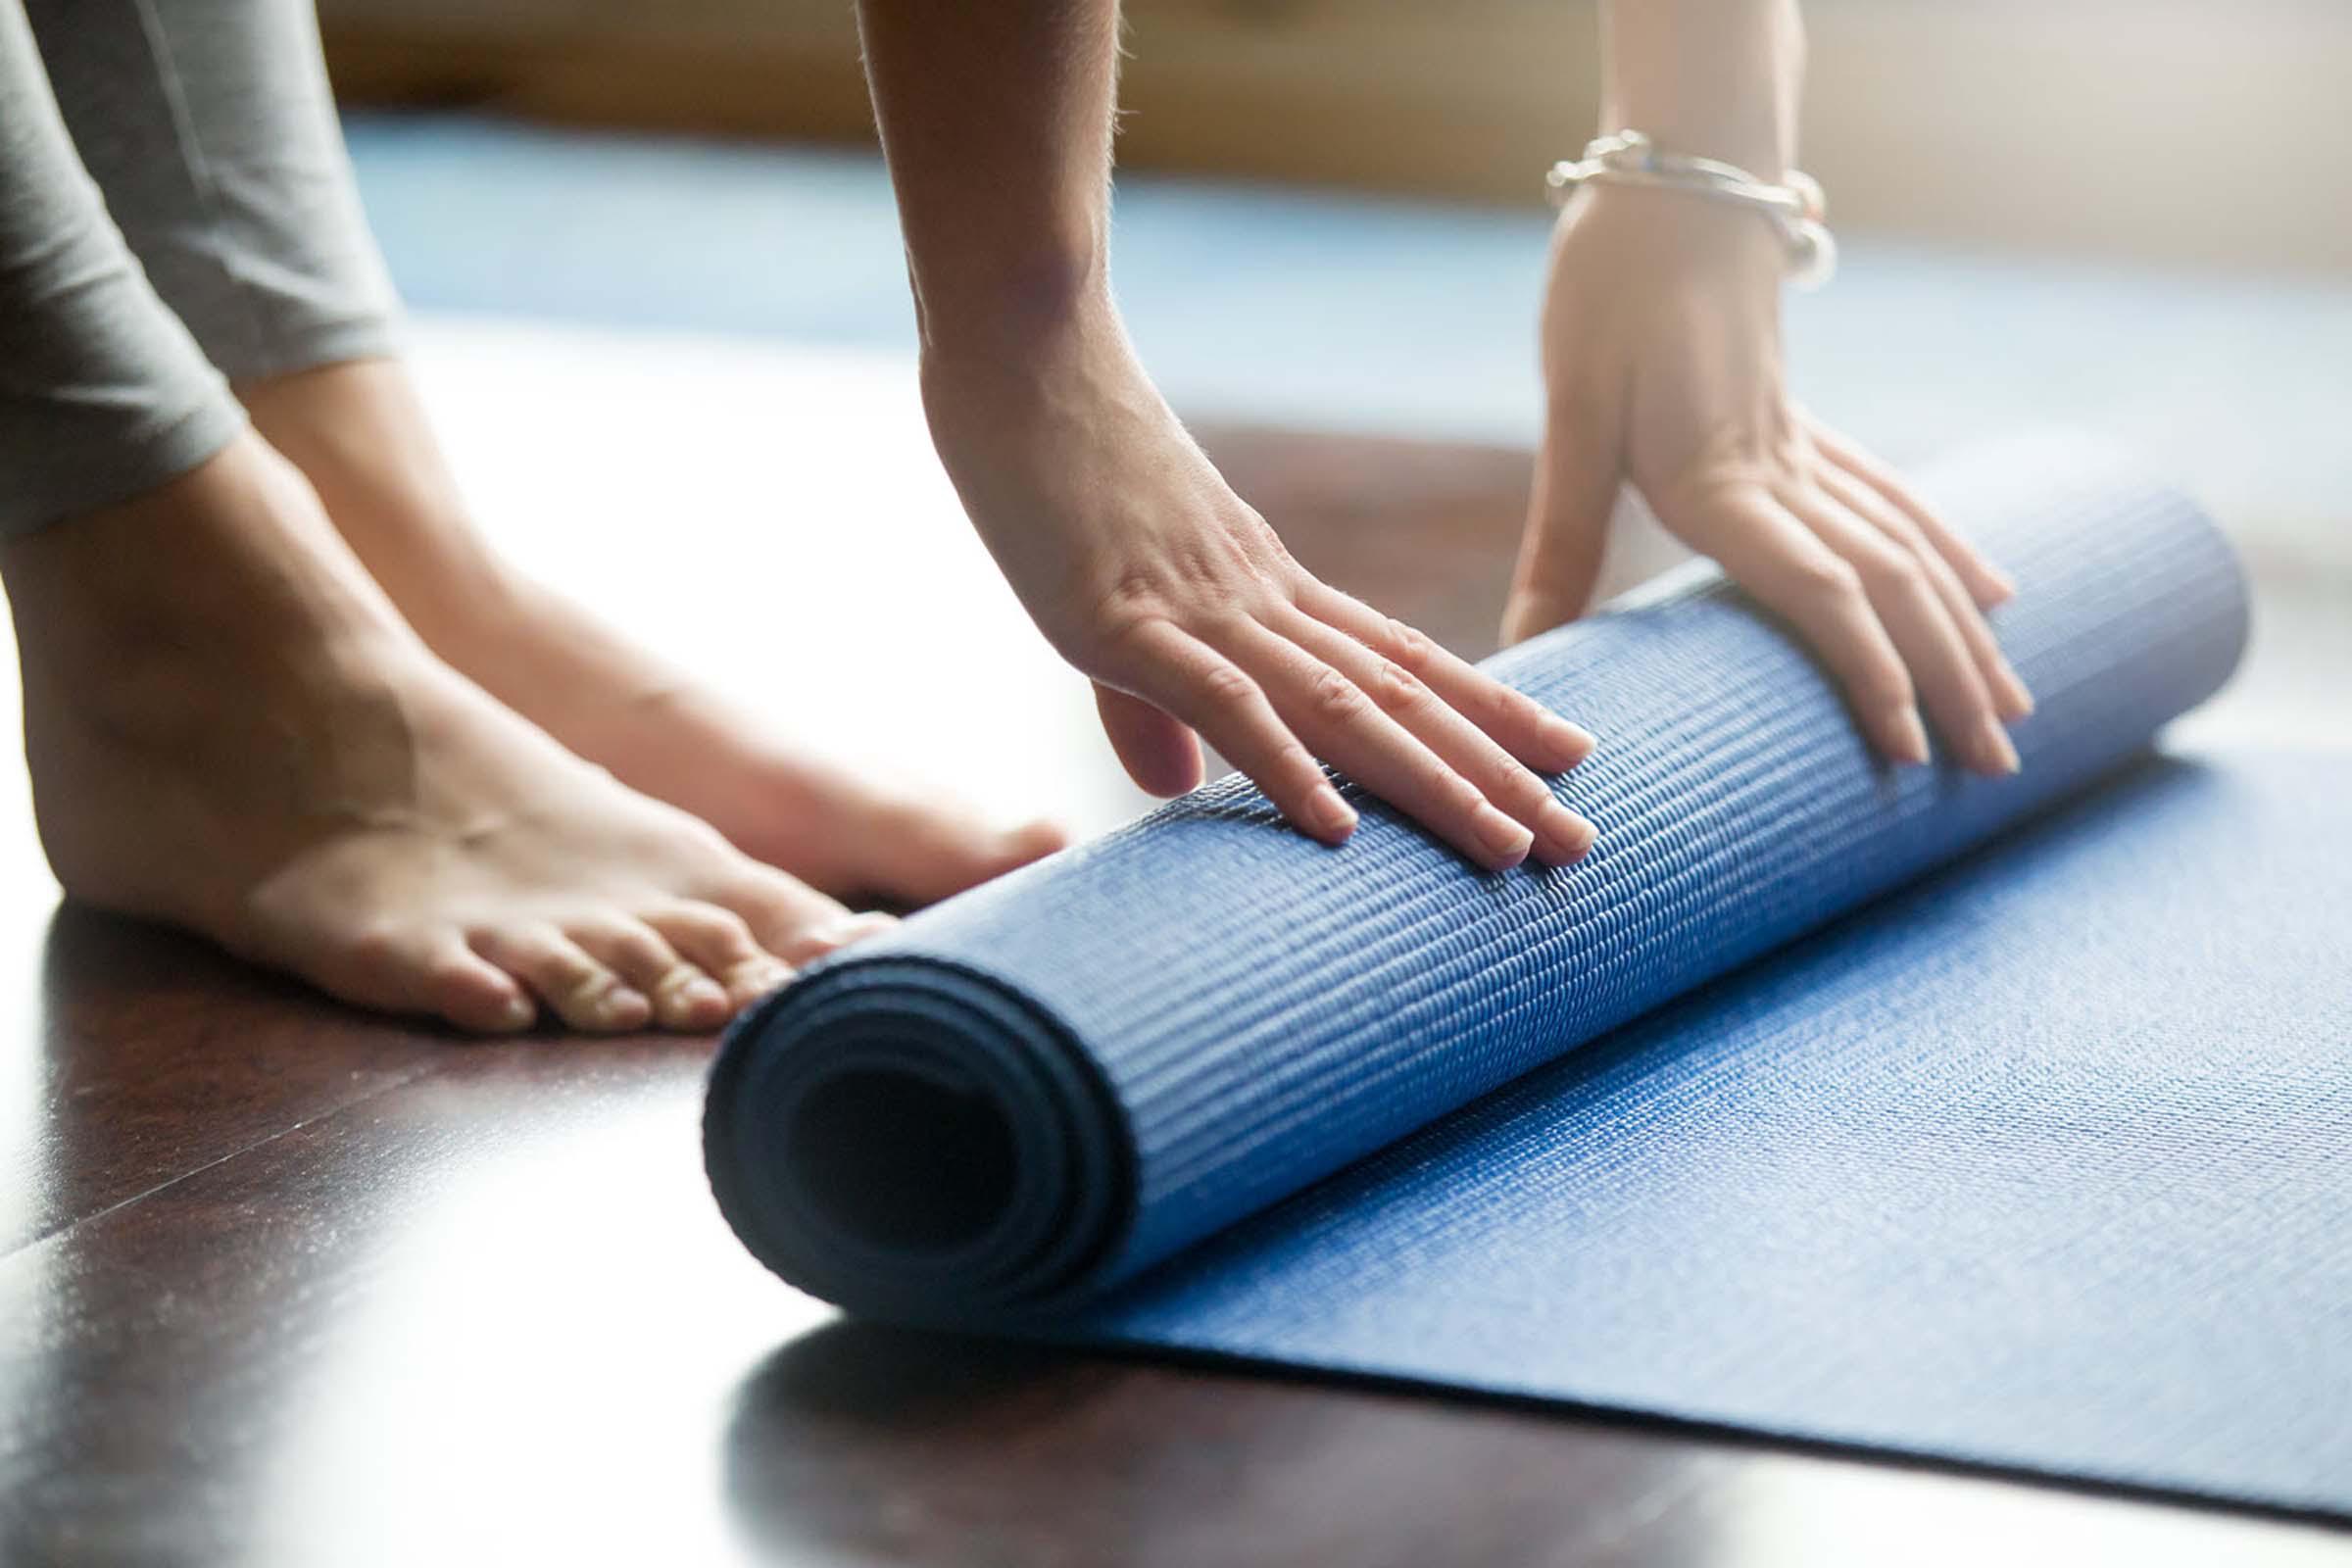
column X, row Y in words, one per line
column 722, row 942
column 793, row 920
column 922, row 854
column 840, row 933
column 474, row 993
column 400, row 968
column 684, row 997
column 583, row 993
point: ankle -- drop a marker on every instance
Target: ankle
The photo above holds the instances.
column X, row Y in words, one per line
column 231, row 564
column 358, row 434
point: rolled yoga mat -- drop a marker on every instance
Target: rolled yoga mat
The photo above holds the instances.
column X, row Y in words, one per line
column 2023, row 1144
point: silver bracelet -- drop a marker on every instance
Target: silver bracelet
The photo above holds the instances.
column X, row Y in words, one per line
column 1795, row 207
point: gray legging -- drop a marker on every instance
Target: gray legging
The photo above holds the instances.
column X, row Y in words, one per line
column 175, row 208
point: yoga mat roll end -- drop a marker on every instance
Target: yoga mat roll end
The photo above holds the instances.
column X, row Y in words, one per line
column 904, row 1136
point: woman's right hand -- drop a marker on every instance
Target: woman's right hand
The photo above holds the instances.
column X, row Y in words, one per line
column 1147, row 572
column 1662, row 356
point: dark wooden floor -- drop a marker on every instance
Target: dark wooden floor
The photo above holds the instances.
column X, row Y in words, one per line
column 279, row 1284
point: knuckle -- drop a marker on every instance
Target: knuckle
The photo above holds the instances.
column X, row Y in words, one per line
column 1132, row 594
column 1227, row 685
column 1409, row 647
column 1120, row 628
column 1518, row 790
column 1398, row 691
column 1891, row 574
column 1447, row 788
column 1828, row 577
column 1501, row 707
column 1337, row 697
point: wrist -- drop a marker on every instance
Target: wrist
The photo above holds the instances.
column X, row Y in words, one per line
column 1710, row 78
column 1748, row 142
column 1015, row 352
column 1663, row 233
column 1011, row 309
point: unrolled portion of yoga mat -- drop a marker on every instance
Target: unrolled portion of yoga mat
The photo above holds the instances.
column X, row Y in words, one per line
column 2043, row 1163
column 1048, row 1090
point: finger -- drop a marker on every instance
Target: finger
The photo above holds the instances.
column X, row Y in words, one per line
column 1907, row 605
column 1342, row 722
column 1202, row 687
column 684, row 997
column 583, row 992
column 1160, row 753
column 720, row 941
column 1560, row 835
column 1987, row 583
column 1576, row 482
column 1792, row 573
column 2010, row 698
column 1527, row 729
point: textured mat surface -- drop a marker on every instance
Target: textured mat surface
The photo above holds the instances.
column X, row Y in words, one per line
column 2036, row 1164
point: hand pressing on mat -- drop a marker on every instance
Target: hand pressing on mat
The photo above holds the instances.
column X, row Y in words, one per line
column 1151, row 575
column 1125, row 544
column 1662, row 359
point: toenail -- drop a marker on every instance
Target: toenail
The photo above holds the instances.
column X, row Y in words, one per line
column 701, row 993
column 517, row 1012
column 865, row 923
column 834, row 932
column 622, row 1005
column 762, row 975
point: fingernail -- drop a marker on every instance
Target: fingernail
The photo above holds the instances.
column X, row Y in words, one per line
column 1910, row 737
column 2004, row 587
column 1571, row 742
column 1507, row 841
column 2016, row 700
column 703, row 995
column 1334, row 815
column 1568, row 836
column 1995, row 749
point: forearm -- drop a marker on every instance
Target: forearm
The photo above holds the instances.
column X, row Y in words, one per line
column 996, row 118
column 1720, row 78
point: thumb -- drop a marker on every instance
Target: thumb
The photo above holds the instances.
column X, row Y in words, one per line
column 1577, row 476
column 1160, row 754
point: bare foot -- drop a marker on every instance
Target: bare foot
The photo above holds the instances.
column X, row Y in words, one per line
column 231, row 729
column 358, row 432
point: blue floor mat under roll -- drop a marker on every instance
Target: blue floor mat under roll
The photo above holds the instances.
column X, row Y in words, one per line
column 2001, row 1121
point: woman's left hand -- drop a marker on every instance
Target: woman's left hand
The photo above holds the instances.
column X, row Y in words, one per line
column 1662, row 360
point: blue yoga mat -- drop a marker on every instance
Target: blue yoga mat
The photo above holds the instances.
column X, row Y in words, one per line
column 1999, row 1121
